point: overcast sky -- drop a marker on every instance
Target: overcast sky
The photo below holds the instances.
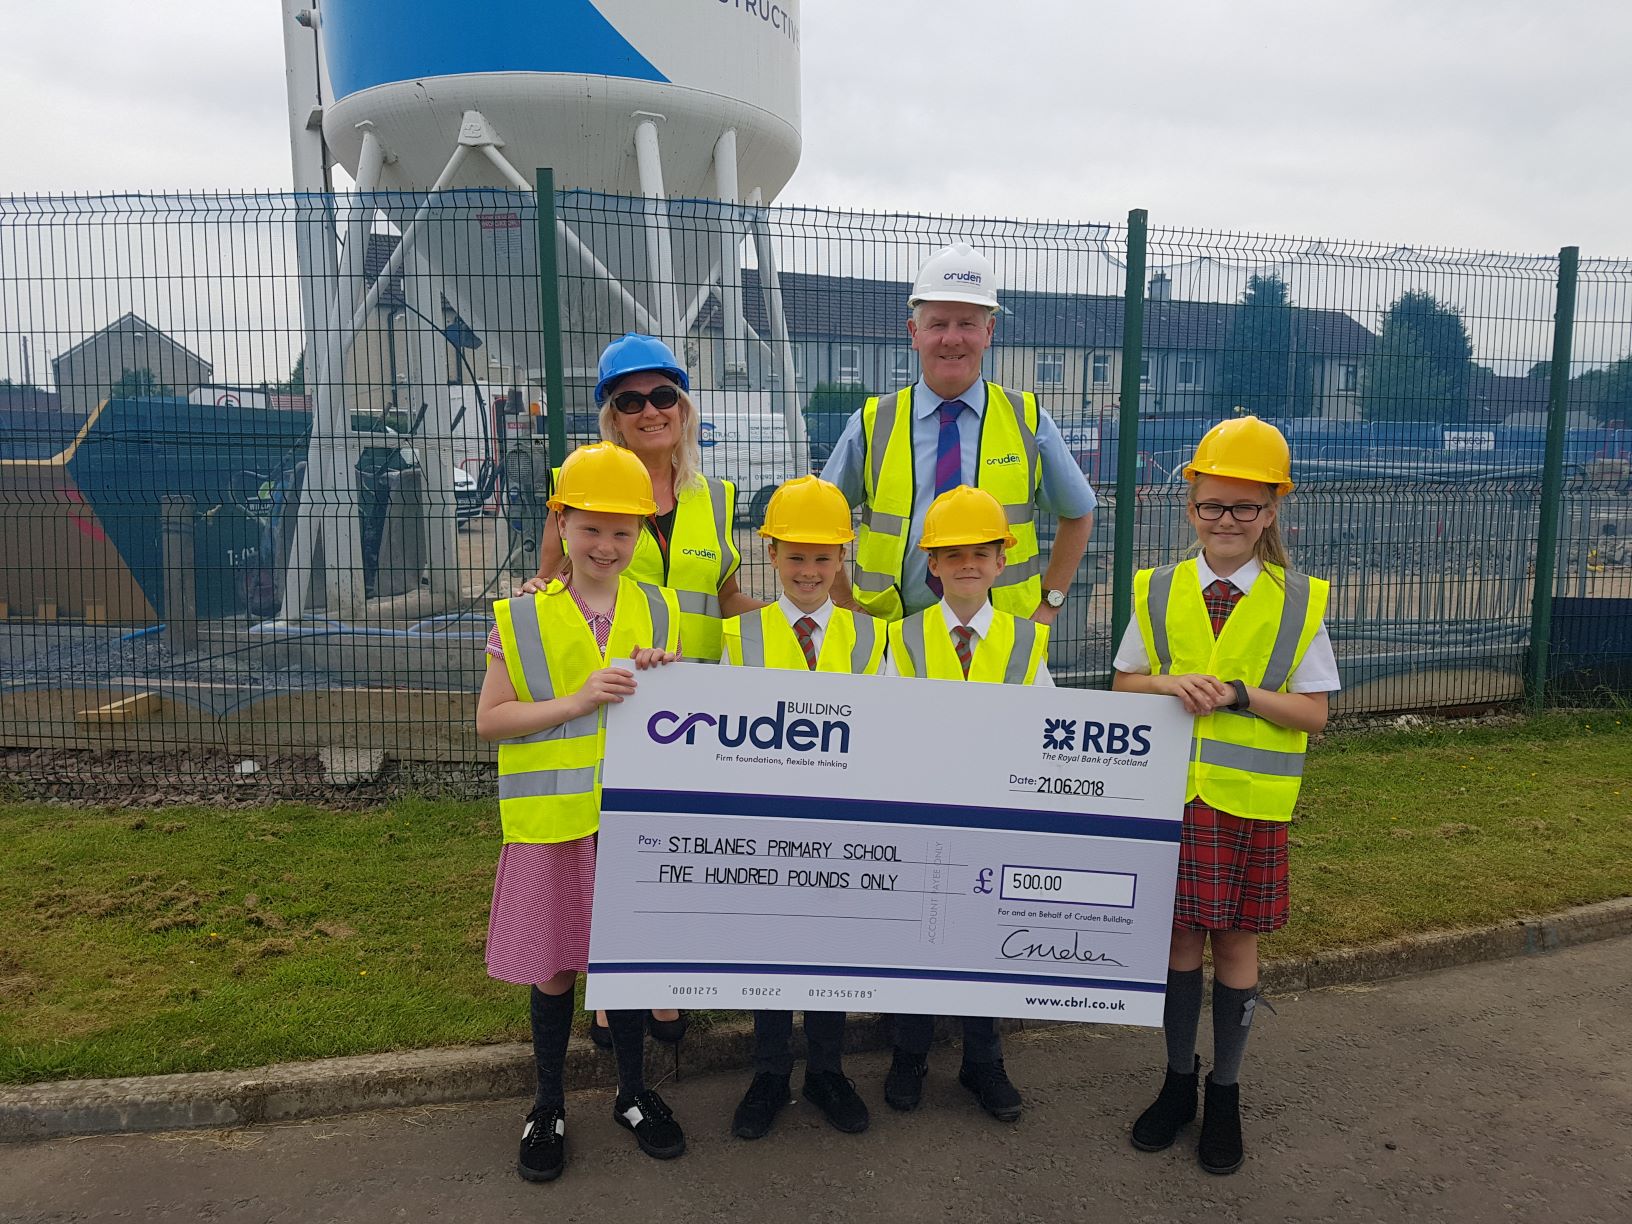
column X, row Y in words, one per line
column 1490, row 124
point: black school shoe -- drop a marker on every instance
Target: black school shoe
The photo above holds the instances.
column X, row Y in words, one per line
column 904, row 1085
column 1220, row 1147
column 759, row 1106
column 655, row 1129
column 990, row 1084
column 1173, row 1109
column 669, row 1032
column 834, row 1093
column 543, row 1145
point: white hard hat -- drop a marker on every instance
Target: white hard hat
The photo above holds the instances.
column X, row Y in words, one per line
column 956, row 273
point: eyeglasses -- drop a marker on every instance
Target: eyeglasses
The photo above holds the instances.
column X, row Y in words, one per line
column 1244, row 512
column 631, row 402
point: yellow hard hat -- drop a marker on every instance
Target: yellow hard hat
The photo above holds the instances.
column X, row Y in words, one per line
column 1247, row 449
column 604, row 476
column 965, row 515
column 808, row 510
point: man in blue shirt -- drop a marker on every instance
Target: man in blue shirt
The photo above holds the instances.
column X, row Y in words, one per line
column 954, row 316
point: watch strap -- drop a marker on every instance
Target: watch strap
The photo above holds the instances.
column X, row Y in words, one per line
column 1242, row 700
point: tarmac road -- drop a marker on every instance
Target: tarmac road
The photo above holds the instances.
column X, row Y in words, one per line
column 1496, row 1092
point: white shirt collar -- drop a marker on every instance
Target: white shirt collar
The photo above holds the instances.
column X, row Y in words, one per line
column 791, row 610
column 925, row 401
column 1241, row 580
column 981, row 622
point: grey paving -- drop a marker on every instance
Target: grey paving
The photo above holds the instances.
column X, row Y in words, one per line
column 1495, row 1092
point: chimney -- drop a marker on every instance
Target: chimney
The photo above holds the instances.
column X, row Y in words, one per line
column 1161, row 288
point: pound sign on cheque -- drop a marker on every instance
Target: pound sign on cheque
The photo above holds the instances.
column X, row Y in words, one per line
column 983, row 882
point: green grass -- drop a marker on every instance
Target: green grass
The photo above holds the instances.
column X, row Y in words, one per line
column 181, row 939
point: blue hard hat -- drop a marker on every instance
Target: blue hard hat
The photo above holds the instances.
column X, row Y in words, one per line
column 633, row 354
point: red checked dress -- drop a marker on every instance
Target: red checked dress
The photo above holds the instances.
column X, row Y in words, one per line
column 539, row 924
column 1232, row 871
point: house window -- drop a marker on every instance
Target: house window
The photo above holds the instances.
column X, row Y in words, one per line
column 900, row 367
column 1102, row 368
column 1144, row 371
column 1050, row 368
column 848, row 363
column 1189, row 373
column 1348, row 377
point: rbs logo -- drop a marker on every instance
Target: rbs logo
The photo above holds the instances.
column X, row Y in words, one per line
column 1106, row 739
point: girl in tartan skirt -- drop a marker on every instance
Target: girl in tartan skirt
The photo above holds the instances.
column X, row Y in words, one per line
column 1240, row 638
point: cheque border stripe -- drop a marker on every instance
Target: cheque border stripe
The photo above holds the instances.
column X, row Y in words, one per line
column 878, row 811
column 877, row 971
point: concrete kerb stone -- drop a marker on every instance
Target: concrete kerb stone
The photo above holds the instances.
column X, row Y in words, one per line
column 291, row 1091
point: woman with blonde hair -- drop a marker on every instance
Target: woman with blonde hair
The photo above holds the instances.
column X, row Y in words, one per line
column 687, row 546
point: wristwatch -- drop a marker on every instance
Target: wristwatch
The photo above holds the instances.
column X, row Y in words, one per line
column 1242, row 700
column 1054, row 599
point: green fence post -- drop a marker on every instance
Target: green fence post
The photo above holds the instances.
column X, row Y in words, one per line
column 1127, row 441
column 549, row 318
column 1552, row 479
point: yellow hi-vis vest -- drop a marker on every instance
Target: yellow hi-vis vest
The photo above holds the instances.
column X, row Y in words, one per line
column 852, row 642
column 702, row 555
column 1007, row 466
column 1239, row 763
column 1010, row 653
column 550, row 781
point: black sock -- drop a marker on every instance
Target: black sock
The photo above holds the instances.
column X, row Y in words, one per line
column 1181, row 1015
column 552, row 1026
column 1232, row 1023
column 629, row 1048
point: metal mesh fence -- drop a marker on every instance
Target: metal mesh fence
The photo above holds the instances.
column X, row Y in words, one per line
column 266, row 459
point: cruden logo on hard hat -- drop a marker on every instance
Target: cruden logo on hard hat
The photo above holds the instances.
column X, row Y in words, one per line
column 956, row 273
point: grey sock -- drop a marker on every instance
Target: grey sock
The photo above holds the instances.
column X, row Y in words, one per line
column 1181, row 1014
column 1232, row 1023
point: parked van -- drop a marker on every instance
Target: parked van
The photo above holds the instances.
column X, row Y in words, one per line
column 745, row 440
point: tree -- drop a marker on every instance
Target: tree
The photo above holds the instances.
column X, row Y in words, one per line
column 1264, row 371
column 1542, row 369
column 295, row 384
column 1419, row 369
column 829, row 407
column 1605, row 393
column 136, row 384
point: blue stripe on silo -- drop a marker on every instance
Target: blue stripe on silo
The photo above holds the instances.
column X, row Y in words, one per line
column 375, row 42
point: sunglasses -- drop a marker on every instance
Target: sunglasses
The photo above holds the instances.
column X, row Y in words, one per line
column 631, row 402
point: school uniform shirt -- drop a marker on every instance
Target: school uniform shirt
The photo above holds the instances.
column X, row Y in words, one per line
column 1064, row 490
column 1316, row 673
column 791, row 610
column 981, row 623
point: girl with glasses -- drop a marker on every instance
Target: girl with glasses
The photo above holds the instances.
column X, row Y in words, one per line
column 1240, row 638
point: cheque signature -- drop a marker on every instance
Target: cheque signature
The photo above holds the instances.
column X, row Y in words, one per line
column 1017, row 946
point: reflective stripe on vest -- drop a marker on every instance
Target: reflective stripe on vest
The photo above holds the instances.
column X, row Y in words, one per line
column 1007, row 465
column 1011, row 652
column 763, row 638
column 1244, row 765
column 702, row 555
column 549, row 781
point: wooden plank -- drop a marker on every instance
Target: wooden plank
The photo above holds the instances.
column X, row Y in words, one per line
column 129, row 709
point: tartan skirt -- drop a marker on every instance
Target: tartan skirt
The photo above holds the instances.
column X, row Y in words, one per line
column 1232, row 872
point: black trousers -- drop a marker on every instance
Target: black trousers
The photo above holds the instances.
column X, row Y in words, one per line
column 981, row 1041
column 773, row 1041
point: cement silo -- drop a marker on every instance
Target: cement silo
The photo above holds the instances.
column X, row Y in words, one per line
column 676, row 102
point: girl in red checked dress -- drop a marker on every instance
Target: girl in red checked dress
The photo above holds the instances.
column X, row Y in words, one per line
column 1240, row 638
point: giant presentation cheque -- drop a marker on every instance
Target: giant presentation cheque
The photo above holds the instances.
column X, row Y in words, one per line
column 775, row 839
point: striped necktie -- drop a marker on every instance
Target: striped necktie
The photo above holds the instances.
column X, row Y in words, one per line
column 948, row 463
column 802, row 629
column 962, row 637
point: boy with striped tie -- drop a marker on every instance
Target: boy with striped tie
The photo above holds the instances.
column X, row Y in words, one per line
column 806, row 527
column 963, row 638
